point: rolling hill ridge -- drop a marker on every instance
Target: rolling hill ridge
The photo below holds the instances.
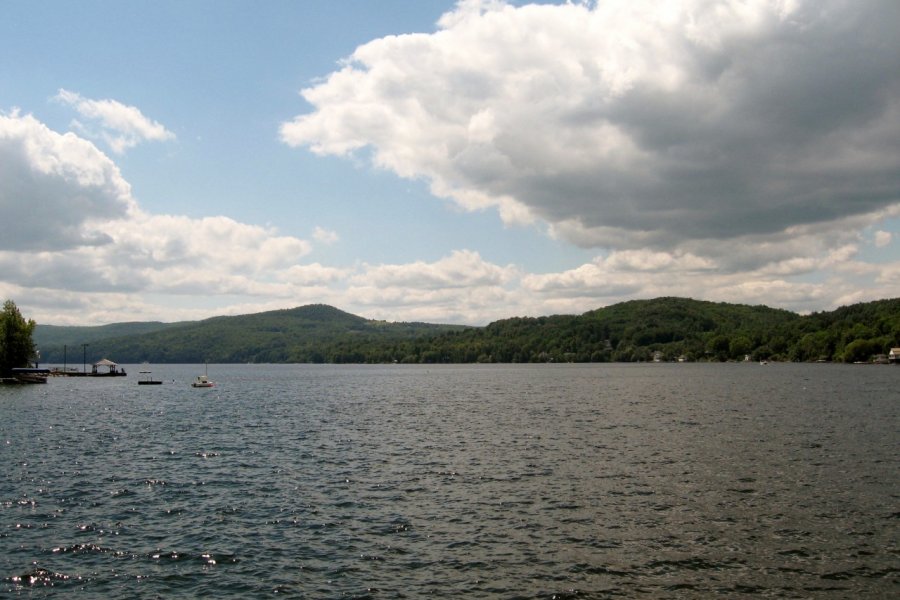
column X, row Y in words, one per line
column 637, row 330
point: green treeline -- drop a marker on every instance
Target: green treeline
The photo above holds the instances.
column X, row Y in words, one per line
column 16, row 345
column 640, row 330
column 671, row 329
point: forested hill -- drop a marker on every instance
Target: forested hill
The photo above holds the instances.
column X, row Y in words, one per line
column 313, row 333
column 639, row 330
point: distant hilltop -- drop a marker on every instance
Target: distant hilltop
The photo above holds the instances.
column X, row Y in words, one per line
column 662, row 329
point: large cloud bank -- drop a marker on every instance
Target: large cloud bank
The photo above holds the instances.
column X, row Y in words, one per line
column 733, row 151
column 77, row 248
column 627, row 124
column 73, row 235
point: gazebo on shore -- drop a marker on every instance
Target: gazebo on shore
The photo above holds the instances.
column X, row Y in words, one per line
column 112, row 369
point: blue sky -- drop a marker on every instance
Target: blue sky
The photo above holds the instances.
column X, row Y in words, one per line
column 446, row 162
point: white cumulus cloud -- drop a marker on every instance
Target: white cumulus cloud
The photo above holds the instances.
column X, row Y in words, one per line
column 121, row 126
column 462, row 269
column 56, row 191
column 883, row 238
column 72, row 231
column 634, row 123
column 325, row 236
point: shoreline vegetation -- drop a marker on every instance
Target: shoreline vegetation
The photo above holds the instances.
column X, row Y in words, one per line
column 661, row 330
column 17, row 350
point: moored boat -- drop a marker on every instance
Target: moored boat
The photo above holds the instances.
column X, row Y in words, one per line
column 29, row 375
column 203, row 381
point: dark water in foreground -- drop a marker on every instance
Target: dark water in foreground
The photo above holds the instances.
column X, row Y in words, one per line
column 566, row 481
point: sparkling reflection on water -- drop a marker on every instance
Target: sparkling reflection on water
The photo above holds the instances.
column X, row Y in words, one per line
column 517, row 481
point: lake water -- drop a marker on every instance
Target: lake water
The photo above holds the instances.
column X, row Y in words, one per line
column 475, row 481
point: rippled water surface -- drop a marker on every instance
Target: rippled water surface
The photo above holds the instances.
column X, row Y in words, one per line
column 531, row 481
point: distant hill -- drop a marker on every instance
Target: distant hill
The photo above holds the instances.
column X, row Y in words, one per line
column 629, row 331
column 313, row 333
column 54, row 337
column 694, row 330
column 639, row 330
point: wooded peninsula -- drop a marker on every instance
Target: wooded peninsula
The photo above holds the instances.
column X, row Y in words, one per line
column 662, row 329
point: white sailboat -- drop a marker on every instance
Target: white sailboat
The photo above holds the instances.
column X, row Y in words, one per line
column 203, row 381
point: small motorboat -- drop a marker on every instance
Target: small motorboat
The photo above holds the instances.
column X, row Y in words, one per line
column 202, row 381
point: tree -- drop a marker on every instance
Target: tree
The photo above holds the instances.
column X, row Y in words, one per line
column 861, row 350
column 16, row 345
column 814, row 346
column 718, row 346
column 739, row 347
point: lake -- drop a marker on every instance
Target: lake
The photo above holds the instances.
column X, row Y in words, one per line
column 462, row 481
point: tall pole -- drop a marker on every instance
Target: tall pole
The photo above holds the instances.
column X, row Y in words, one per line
column 64, row 359
column 84, row 358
